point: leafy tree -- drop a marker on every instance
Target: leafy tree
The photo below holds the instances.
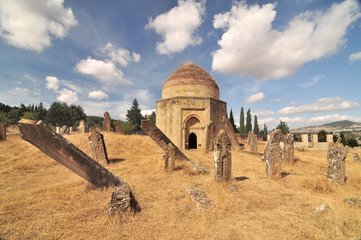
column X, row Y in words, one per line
column 322, row 135
column 151, row 117
column 343, row 138
column 40, row 112
column 352, row 142
column 242, row 129
column 76, row 113
column 231, row 120
column 4, row 108
column 134, row 115
column 265, row 129
column 94, row 121
column 58, row 114
column 14, row 115
column 127, row 128
column 29, row 115
column 248, row 121
column 256, row 127
column 283, row 127
column 3, row 118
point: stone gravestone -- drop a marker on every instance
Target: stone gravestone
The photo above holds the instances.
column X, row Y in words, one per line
column 117, row 127
column 81, row 128
column 273, row 155
column 70, row 130
column 57, row 130
column 97, row 145
column 222, row 157
column 169, row 158
column 62, row 130
column 211, row 134
column 107, row 122
column 336, row 157
column 252, row 141
column 289, row 152
column 2, row 132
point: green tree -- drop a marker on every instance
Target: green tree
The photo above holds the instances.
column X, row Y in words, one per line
column 343, row 138
column 151, row 117
column 127, row 128
column 134, row 115
column 3, row 118
column 4, row 108
column 76, row 113
column 242, row 129
column 40, row 112
column 256, row 127
column 265, row 129
column 58, row 114
column 248, row 121
column 14, row 115
column 283, row 127
column 29, row 115
column 231, row 120
column 322, row 135
column 94, row 121
column 352, row 142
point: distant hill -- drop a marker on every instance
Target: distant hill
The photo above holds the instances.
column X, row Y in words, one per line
column 333, row 126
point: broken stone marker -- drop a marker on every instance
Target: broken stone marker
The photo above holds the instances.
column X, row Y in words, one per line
column 97, row 145
column 123, row 200
column 273, row 155
column 169, row 158
column 211, row 134
column 107, row 122
column 231, row 134
column 201, row 199
column 117, row 127
column 70, row 130
column 62, row 130
column 289, row 152
column 222, row 157
column 81, row 128
column 336, row 157
column 57, row 130
column 2, row 132
column 252, row 141
column 356, row 157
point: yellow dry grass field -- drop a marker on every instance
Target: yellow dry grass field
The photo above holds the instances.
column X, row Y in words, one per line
column 41, row 199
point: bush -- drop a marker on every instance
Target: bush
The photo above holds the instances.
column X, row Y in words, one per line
column 29, row 115
column 352, row 142
column 127, row 128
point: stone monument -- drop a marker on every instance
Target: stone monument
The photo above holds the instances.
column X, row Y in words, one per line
column 273, row 155
column 222, row 157
column 107, row 122
column 336, row 157
column 97, row 145
column 289, row 152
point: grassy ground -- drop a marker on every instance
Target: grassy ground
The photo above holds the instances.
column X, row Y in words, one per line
column 41, row 199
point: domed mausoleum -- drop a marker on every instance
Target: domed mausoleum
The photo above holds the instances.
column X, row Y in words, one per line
column 190, row 112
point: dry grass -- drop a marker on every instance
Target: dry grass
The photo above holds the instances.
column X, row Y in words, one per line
column 41, row 199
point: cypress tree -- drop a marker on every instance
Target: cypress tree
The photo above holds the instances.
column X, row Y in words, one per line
column 242, row 129
column 248, row 121
column 231, row 119
column 256, row 127
column 265, row 129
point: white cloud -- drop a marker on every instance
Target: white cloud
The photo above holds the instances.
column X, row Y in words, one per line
column 116, row 109
column 312, row 82
column 52, row 83
column 119, row 55
column 250, row 46
column 332, row 118
column 72, row 86
column 18, row 90
column 107, row 72
column 355, row 57
column 143, row 96
column 263, row 113
column 99, row 95
column 29, row 77
column 67, row 96
column 147, row 112
column 278, row 100
column 321, row 105
column 178, row 26
column 255, row 98
column 31, row 24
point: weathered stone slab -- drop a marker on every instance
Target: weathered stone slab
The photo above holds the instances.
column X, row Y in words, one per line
column 81, row 127
column 67, row 154
column 356, row 157
column 201, row 199
column 162, row 140
column 62, row 130
column 252, row 141
column 97, row 145
column 336, row 157
column 107, row 122
column 289, row 150
column 273, row 155
column 57, row 130
column 118, row 128
column 169, row 158
column 231, row 134
column 70, row 130
column 210, row 136
column 222, row 157
column 2, row 132
column 123, row 200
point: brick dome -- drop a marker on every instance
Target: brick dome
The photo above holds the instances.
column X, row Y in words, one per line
column 190, row 80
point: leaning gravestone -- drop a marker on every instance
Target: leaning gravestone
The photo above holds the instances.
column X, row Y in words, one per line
column 252, row 141
column 222, row 157
column 2, row 132
column 169, row 158
column 62, row 130
column 336, row 157
column 273, row 155
column 211, row 134
column 289, row 152
column 107, row 122
column 97, row 145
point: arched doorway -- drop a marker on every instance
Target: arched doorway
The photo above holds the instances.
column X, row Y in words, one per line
column 192, row 141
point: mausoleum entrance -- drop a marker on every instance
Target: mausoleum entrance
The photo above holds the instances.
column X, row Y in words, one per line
column 192, row 141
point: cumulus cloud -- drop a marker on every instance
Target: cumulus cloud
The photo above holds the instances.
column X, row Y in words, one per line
column 147, row 112
column 178, row 26
column 52, row 83
column 263, row 113
column 312, row 82
column 355, row 57
column 67, row 96
column 255, row 98
column 321, row 105
column 119, row 55
column 105, row 71
column 32, row 24
column 250, row 45
column 99, row 95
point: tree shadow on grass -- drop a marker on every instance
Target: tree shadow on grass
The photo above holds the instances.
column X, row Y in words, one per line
column 241, row 178
column 115, row 160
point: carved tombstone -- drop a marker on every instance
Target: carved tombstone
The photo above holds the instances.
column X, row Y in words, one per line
column 62, row 130
column 117, row 127
column 70, row 130
column 222, row 157
column 57, row 130
column 211, row 134
column 81, row 128
column 97, row 145
column 289, row 152
column 252, row 141
column 273, row 155
column 336, row 157
column 169, row 158
column 107, row 122
column 2, row 132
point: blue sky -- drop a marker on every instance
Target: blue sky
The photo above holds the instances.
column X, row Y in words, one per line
column 297, row 61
